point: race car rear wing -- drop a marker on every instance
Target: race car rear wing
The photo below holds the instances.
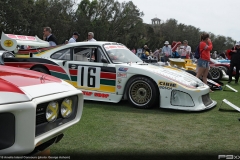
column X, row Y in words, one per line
column 10, row 42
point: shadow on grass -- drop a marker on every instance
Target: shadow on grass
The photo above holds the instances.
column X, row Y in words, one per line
column 125, row 106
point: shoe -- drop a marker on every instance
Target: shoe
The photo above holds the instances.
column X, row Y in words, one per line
column 211, row 91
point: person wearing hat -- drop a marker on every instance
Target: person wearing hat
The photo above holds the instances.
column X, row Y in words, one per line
column 74, row 37
column 166, row 51
column 235, row 62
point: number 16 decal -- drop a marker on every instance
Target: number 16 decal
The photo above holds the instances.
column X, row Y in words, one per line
column 88, row 76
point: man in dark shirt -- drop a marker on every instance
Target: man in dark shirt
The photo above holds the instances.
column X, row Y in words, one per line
column 235, row 62
column 48, row 36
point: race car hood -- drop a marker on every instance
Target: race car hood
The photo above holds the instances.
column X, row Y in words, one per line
column 18, row 85
column 175, row 75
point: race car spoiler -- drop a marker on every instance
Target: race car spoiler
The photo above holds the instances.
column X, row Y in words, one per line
column 10, row 42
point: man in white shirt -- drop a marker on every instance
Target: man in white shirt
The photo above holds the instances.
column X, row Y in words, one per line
column 90, row 37
column 166, row 51
column 185, row 50
column 74, row 37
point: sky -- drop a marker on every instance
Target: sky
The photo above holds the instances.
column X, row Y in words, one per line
column 219, row 17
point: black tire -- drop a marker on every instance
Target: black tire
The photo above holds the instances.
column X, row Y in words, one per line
column 142, row 92
column 224, row 68
column 40, row 69
column 216, row 73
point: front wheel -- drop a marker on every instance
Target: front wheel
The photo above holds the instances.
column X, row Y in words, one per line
column 142, row 92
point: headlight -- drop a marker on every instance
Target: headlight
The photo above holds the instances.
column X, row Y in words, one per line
column 52, row 111
column 179, row 98
column 66, row 107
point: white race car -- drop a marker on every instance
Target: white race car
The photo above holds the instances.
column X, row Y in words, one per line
column 110, row 72
column 35, row 110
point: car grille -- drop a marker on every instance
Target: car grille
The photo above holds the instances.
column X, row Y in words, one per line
column 42, row 125
column 206, row 99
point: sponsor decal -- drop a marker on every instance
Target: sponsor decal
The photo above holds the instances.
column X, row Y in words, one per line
column 102, row 95
column 166, row 85
column 123, row 69
column 119, row 80
column 119, row 86
column 122, row 75
column 8, row 43
column 85, row 93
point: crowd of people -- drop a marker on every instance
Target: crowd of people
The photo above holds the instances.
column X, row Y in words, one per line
column 48, row 36
column 183, row 50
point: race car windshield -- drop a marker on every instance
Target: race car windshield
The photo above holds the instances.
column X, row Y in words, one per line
column 122, row 56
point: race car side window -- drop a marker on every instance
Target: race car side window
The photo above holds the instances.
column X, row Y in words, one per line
column 82, row 54
column 62, row 54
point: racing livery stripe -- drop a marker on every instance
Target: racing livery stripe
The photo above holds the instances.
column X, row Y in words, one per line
column 103, row 88
column 73, row 68
column 9, row 87
column 35, row 60
column 59, row 75
column 31, row 64
column 102, row 81
column 104, row 75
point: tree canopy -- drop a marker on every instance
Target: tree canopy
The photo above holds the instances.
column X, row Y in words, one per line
column 110, row 20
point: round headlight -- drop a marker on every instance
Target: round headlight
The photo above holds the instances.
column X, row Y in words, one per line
column 52, row 111
column 66, row 107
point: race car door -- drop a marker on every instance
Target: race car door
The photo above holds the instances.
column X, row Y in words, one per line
column 91, row 72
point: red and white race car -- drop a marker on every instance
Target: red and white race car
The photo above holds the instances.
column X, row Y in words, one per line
column 35, row 109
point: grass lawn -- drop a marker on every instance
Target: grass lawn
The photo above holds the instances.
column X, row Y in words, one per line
column 108, row 128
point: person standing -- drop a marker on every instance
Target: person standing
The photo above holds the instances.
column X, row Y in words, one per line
column 166, row 51
column 91, row 37
column 48, row 36
column 205, row 47
column 235, row 62
column 185, row 50
column 74, row 37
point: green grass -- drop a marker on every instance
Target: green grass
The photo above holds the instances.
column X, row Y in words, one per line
column 120, row 128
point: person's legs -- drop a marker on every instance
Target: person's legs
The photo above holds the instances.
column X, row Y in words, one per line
column 237, row 73
column 230, row 72
column 205, row 74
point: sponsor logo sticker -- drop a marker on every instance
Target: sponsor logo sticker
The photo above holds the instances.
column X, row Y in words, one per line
column 123, row 69
column 119, row 80
column 122, row 75
column 8, row 43
column 166, row 85
column 119, row 86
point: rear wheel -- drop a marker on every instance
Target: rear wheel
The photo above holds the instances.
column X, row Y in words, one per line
column 40, row 69
column 225, row 69
column 142, row 92
column 216, row 73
